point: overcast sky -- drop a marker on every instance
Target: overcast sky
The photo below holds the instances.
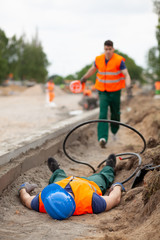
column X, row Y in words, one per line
column 72, row 32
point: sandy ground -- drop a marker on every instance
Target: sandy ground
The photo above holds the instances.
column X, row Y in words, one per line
column 130, row 220
column 27, row 114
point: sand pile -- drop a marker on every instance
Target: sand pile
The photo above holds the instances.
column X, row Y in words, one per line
column 34, row 91
column 145, row 115
column 40, row 89
column 11, row 90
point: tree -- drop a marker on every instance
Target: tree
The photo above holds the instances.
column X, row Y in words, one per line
column 134, row 70
column 23, row 59
column 15, row 50
column 80, row 74
column 33, row 61
column 70, row 77
column 57, row 79
column 153, row 57
column 3, row 55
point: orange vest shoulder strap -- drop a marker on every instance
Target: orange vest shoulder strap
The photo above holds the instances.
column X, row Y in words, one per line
column 119, row 57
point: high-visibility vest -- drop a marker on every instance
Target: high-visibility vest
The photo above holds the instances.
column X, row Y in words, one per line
column 50, row 86
column 87, row 92
column 157, row 85
column 82, row 190
column 109, row 76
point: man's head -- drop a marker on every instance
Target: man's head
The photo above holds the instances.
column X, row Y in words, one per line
column 58, row 203
column 108, row 49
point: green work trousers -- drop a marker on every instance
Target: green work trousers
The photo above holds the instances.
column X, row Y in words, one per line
column 103, row 179
column 112, row 100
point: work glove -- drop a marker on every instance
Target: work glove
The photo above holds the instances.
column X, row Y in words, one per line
column 83, row 80
column 117, row 184
column 129, row 92
column 28, row 186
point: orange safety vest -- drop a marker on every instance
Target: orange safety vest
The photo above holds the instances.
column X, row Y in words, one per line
column 87, row 92
column 109, row 76
column 157, row 85
column 50, row 87
column 82, row 190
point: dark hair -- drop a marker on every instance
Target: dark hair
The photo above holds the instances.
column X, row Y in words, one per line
column 108, row 43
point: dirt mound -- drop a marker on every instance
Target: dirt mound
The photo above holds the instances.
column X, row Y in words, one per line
column 39, row 89
column 151, row 186
column 11, row 90
column 144, row 115
column 33, row 91
column 152, row 155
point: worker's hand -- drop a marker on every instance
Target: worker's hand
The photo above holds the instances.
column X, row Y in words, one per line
column 129, row 92
column 28, row 186
column 83, row 80
column 117, row 184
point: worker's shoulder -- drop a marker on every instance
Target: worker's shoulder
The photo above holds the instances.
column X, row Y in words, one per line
column 100, row 56
column 119, row 57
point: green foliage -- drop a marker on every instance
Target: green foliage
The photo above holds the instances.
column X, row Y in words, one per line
column 134, row 70
column 70, row 77
column 34, row 62
column 3, row 55
column 58, row 80
column 83, row 71
column 153, row 56
column 25, row 60
column 154, row 61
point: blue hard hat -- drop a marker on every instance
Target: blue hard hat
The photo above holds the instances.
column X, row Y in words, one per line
column 58, row 203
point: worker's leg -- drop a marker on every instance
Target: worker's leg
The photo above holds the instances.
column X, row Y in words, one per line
column 103, row 179
column 115, row 109
column 57, row 175
column 26, row 198
column 102, row 126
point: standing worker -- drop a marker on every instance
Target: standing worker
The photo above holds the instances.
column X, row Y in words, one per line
column 157, row 87
column 50, row 92
column 112, row 76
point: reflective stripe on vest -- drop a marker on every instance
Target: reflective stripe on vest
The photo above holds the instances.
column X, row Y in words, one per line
column 110, row 81
column 109, row 76
column 109, row 73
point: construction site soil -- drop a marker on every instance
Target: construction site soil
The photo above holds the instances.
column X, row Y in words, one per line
column 138, row 214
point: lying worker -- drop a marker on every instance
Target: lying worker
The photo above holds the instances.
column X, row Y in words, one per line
column 67, row 196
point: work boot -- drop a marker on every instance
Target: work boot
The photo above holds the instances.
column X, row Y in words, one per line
column 102, row 142
column 111, row 161
column 53, row 164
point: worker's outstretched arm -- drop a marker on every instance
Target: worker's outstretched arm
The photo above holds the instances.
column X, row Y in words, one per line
column 25, row 197
column 24, row 193
column 114, row 197
column 89, row 73
column 127, row 77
